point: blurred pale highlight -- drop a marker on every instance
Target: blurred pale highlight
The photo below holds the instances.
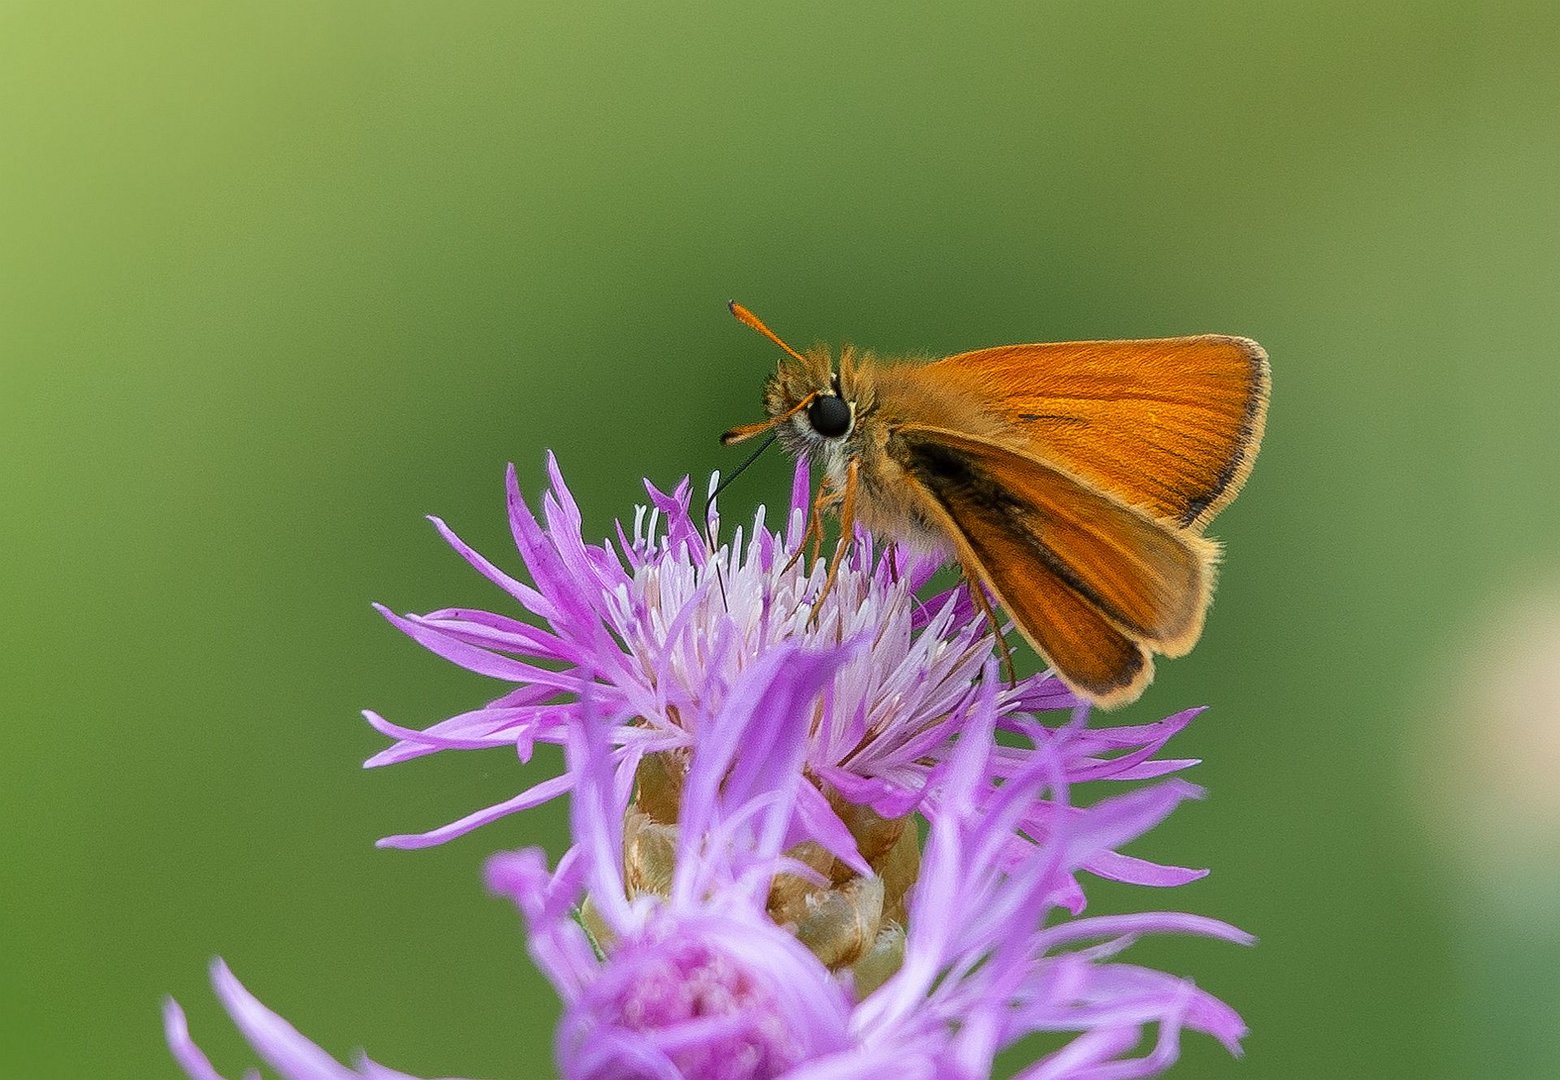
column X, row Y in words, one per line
column 1492, row 777
column 1489, row 775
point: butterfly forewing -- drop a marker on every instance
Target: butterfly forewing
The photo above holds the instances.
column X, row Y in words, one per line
column 1169, row 425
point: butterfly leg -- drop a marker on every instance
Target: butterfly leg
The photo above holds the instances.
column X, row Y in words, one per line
column 847, row 536
column 827, row 497
column 978, row 594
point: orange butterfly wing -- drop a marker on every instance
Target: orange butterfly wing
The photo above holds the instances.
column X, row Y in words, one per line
column 1170, row 425
column 1088, row 580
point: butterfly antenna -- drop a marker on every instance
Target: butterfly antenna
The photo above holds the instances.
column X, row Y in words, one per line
column 725, row 481
column 747, row 318
column 709, row 540
column 747, row 431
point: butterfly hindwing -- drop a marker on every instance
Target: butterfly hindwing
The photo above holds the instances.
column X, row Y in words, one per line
column 1151, row 580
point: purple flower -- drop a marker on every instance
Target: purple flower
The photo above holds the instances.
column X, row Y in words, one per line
column 700, row 982
column 276, row 1041
column 746, row 895
column 658, row 629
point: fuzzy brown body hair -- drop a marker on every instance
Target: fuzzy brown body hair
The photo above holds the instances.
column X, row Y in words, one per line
column 884, row 395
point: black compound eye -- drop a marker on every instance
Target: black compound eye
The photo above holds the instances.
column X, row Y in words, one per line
column 829, row 416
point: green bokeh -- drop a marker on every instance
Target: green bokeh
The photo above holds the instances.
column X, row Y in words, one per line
column 277, row 279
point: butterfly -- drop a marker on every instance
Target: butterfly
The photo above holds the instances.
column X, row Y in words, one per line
column 1073, row 480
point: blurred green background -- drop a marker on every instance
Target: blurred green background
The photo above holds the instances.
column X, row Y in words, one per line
column 278, row 279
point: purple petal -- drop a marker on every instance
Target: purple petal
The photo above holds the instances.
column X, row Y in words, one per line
column 758, row 737
column 1092, row 1048
column 1150, row 922
column 596, row 812
column 1134, row 871
column 471, row 658
column 801, row 504
column 885, row 797
column 532, row 796
column 533, row 600
column 478, row 730
column 185, row 1052
column 1113, row 822
column 816, row 820
column 278, row 1043
column 487, row 630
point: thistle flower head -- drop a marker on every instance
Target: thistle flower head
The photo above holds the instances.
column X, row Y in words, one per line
column 746, row 896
